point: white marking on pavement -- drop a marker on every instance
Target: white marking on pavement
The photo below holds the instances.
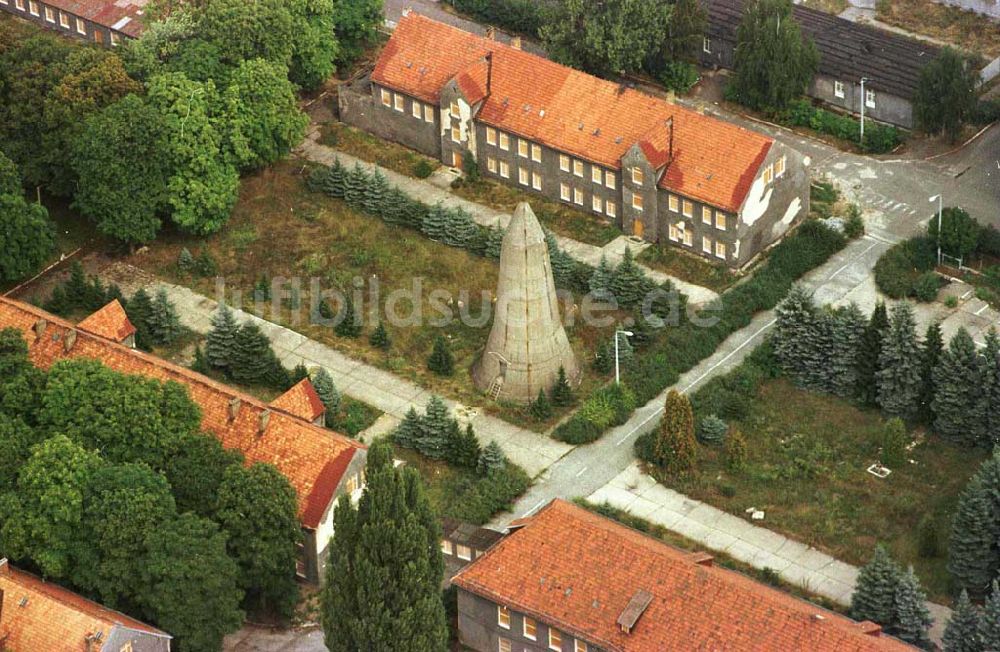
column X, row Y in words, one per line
column 580, row 472
column 977, row 313
column 851, row 262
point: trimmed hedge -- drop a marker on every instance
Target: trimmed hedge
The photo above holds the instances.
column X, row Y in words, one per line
column 901, row 271
column 879, row 138
column 688, row 344
column 522, row 16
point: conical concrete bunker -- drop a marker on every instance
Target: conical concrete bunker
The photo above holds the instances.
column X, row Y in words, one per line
column 527, row 343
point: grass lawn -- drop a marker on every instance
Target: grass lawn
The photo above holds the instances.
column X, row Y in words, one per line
column 963, row 29
column 687, row 267
column 561, row 219
column 279, row 229
column 807, row 455
column 829, row 6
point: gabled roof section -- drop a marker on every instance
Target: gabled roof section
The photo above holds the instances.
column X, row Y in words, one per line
column 848, row 51
column 110, row 322
column 573, row 112
column 123, row 16
column 301, row 401
column 39, row 615
column 587, row 575
column 309, row 456
column 474, row 81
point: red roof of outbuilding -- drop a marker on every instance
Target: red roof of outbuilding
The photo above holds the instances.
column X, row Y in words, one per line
column 568, row 110
column 301, row 401
column 312, row 458
column 579, row 571
column 123, row 16
column 110, row 322
column 39, row 615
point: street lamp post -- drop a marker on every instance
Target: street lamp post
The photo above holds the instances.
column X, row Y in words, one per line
column 863, row 80
column 617, row 333
column 940, row 210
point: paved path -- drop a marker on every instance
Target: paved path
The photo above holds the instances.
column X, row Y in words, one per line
column 380, row 389
column 430, row 193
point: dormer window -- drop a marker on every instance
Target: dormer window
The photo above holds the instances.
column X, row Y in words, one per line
column 637, row 176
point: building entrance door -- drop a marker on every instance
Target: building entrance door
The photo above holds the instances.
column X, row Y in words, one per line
column 637, row 227
column 456, row 160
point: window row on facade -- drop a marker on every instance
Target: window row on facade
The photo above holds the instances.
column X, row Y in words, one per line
column 529, row 630
column 677, row 233
column 418, row 109
column 65, row 20
column 838, row 92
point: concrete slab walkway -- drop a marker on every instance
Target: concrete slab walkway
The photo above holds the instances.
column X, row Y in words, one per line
column 532, row 451
column 431, row 193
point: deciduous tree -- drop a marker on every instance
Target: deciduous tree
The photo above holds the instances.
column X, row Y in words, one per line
column 357, row 23
column 946, row 94
column 26, row 239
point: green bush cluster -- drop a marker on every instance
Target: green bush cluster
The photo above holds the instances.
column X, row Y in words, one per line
column 521, row 16
column 607, row 407
column 482, row 497
column 879, row 138
column 902, row 270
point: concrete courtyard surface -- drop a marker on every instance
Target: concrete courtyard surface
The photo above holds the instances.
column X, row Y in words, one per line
column 264, row 639
column 531, row 451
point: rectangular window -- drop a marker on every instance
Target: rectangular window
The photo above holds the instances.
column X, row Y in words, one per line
column 674, row 233
column 504, row 645
column 688, row 209
column 609, row 180
column 463, row 552
column 720, row 220
column 81, row 27
column 577, row 196
column 428, row 113
column 491, row 136
column 491, row 164
column 706, row 244
column 63, row 20
column 522, row 148
column 838, row 89
column 610, row 209
column 536, row 153
column 386, row 98
column 636, row 201
column 33, row 7
column 555, row 639
column 456, row 134
column 768, row 174
column 564, row 163
column 673, row 203
column 563, row 192
column 4, row 2
column 454, row 110
column 720, row 250
column 580, row 646
column 19, row 4
column 706, row 215
column 400, row 103
column 530, row 628
column 536, row 181
column 595, row 174
column 504, row 170
column 522, row 176
column 115, row 39
column 50, row 15
column 416, row 110
column 504, row 141
column 503, row 616
column 637, row 176
column 595, row 203
column 578, row 168
column 352, row 484
column 446, row 547
column 779, row 167
column 689, row 238
column 869, row 98
column 706, row 45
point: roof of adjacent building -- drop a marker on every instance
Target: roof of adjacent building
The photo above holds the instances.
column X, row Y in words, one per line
column 110, row 322
column 467, row 534
column 848, row 51
column 583, row 573
column 301, row 401
column 313, row 459
column 573, row 112
column 39, row 615
column 124, row 16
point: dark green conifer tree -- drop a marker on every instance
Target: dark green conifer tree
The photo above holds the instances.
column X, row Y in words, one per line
column 875, row 594
column 441, row 361
column 869, row 354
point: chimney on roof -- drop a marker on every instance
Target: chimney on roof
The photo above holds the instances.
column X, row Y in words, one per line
column 234, row 407
column 702, row 559
column 515, row 42
column 491, row 33
column 670, row 123
column 489, row 72
column 868, row 628
column 265, row 417
column 635, row 608
column 69, row 340
column 40, row 328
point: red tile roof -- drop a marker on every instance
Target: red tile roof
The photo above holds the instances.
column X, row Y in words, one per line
column 301, row 401
column 110, row 322
column 123, row 16
column 39, row 615
column 312, row 458
column 578, row 571
column 597, row 120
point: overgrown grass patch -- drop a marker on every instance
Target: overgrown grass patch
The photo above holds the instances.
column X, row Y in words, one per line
column 687, row 267
column 964, row 29
column 364, row 145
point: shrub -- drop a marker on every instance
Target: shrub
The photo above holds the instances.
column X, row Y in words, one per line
column 893, row 453
column 736, row 450
column 441, row 361
column 490, row 494
column 928, row 538
column 679, row 76
column 879, row 138
column 854, row 225
column 522, row 16
column 422, row 169
column 899, row 269
column 926, row 286
column 712, row 430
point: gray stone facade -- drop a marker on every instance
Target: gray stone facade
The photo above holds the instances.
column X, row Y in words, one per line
column 536, row 168
column 479, row 628
column 846, row 95
column 62, row 21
